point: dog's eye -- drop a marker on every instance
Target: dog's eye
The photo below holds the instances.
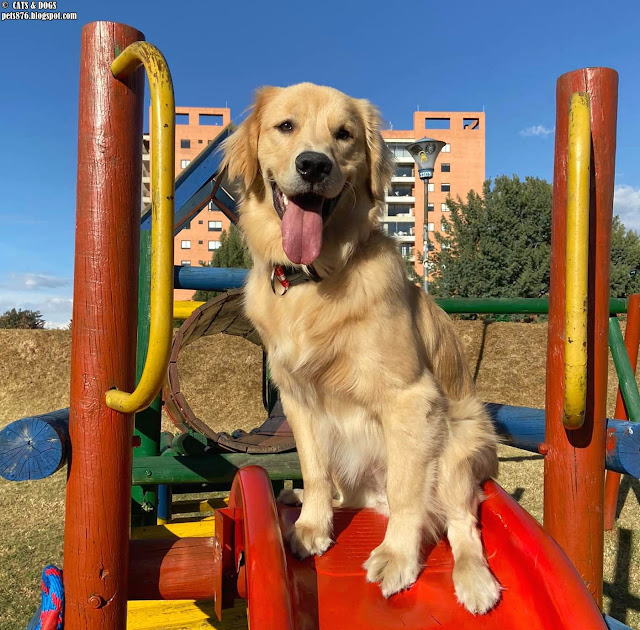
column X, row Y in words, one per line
column 342, row 134
column 286, row 126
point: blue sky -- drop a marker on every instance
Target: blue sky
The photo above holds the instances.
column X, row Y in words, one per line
column 503, row 56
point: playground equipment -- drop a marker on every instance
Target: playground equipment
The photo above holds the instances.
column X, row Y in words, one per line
column 187, row 575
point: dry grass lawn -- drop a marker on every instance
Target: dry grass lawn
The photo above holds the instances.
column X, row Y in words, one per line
column 221, row 378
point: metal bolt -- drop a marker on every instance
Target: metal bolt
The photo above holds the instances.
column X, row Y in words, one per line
column 147, row 506
column 148, row 473
column 95, row 601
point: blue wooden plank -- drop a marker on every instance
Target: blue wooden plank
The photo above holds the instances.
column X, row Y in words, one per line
column 34, row 447
column 208, row 278
column 193, row 178
column 614, row 624
column 524, row 428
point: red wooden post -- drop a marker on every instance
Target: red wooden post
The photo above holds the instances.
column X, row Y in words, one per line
column 631, row 341
column 182, row 568
column 574, row 464
column 103, row 347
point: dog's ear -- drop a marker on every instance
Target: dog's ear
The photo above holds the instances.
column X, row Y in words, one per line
column 241, row 147
column 381, row 160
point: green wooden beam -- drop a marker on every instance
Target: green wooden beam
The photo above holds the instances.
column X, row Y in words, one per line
column 626, row 377
column 211, row 468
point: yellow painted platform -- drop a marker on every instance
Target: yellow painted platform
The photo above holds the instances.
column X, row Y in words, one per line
column 199, row 529
column 184, row 615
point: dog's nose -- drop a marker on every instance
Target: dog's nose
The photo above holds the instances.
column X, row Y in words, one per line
column 313, row 167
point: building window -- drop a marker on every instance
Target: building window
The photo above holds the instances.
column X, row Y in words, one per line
column 406, row 250
column 398, row 150
column 209, row 142
column 199, row 222
column 445, row 168
column 437, row 123
column 394, row 209
column 215, row 226
column 214, row 245
column 200, row 242
column 182, row 119
column 185, row 263
column 471, row 123
column 403, row 171
column 430, row 187
column 210, row 120
column 446, row 148
column 399, row 229
column 185, row 144
column 445, row 245
column 184, row 163
column 185, row 244
column 444, row 207
column 444, row 226
column 430, row 227
column 401, row 190
column 429, row 207
column 445, row 187
column 199, row 141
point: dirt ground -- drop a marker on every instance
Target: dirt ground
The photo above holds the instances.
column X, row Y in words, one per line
column 221, row 378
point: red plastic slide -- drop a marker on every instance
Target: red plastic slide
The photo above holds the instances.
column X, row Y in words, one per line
column 542, row 590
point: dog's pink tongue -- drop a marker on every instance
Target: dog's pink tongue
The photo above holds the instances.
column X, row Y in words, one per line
column 302, row 229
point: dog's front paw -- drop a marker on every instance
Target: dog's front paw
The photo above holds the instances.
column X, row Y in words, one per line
column 308, row 540
column 476, row 588
column 394, row 570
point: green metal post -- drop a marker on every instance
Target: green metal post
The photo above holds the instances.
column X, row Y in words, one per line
column 626, row 377
column 144, row 500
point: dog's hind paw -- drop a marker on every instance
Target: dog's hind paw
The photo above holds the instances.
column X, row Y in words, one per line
column 394, row 570
column 307, row 540
column 476, row 588
column 291, row 497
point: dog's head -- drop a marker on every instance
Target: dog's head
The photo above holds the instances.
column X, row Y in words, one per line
column 304, row 148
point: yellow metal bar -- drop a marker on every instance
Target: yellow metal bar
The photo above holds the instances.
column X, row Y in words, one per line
column 575, row 340
column 162, row 186
column 182, row 309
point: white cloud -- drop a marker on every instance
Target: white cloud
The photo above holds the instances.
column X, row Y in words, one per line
column 626, row 204
column 536, row 130
column 35, row 281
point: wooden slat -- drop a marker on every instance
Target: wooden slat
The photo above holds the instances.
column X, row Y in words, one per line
column 184, row 615
column 198, row 529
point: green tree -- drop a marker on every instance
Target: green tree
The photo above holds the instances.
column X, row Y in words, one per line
column 625, row 260
column 21, row 319
column 232, row 253
column 497, row 244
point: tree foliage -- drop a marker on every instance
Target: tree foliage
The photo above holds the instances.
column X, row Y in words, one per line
column 232, row 253
column 625, row 260
column 21, row 319
column 497, row 244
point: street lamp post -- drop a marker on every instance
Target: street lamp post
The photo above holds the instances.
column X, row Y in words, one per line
column 425, row 152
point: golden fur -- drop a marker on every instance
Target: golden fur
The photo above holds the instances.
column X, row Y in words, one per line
column 371, row 375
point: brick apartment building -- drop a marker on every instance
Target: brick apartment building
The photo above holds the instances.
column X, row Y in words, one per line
column 460, row 168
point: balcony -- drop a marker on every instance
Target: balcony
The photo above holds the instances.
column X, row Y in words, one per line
column 404, row 179
column 400, row 199
column 402, row 231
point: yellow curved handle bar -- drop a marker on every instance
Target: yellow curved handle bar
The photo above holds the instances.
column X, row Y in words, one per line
column 162, row 186
column 577, row 264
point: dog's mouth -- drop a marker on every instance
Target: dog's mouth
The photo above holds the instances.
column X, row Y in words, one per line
column 303, row 218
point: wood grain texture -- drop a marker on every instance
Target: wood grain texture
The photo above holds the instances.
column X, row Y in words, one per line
column 172, row 569
column 181, row 615
column 104, row 332
column 574, row 465
column 35, row 447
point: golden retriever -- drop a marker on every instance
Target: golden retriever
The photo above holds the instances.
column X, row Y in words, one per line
column 372, row 379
